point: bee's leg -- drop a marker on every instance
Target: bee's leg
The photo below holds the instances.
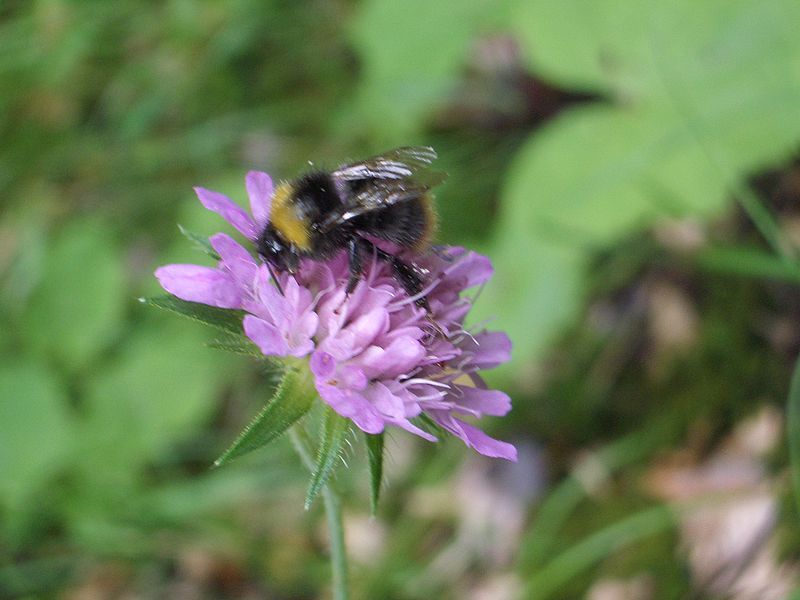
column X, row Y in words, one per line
column 409, row 276
column 355, row 252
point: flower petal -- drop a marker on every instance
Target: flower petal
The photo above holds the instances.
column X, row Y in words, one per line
column 302, row 330
column 259, row 189
column 475, row 438
column 385, row 402
column 367, row 327
column 352, row 378
column 352, row 406
column 478, row 401
column 490, row 348
column 468, row 270
column 322, row 364
column 268, row 303
column 266, row 336
column 400, row 358
column 235, row 258
column 228, row 210
column 195, row 283
column 486, row 445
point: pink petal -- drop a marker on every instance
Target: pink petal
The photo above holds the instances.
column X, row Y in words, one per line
column 385, row 402
column 228, row 210
column 303, row 329
column 352, row 406
column 259, row 189
column 266, row 336
column 469, row 270
column 340, row 346
column 235, row 258
column 401, row 357
column 491, row 348
column 475, row 438
column 477, row 401
column 352, row 377
column 195, row 283
column 269, row 303
column 306, row 325
column 322, row 364
column 395, row 332
column 301, row 348
column 367, row 327
column 486, row 445
column 452, row 313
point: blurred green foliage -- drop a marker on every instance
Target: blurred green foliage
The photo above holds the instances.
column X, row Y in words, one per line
column 568, row 129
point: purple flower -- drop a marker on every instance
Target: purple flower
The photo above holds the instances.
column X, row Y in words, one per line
column 376, row 357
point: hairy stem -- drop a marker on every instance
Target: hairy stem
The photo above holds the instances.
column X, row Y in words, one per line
column 333, row 512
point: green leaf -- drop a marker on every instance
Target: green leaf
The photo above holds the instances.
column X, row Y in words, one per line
column 238, row 344
column 556, row 509
column 200, row 242
column 334, row 431
column 537, row 290
column 162, row 386
column 412, row 53
column 375, row 456
column 227, row 320
column 700, row 96
column 35, row 428
column 292, row 400
column 78, row 306
column 793, row 432
column 598, row 45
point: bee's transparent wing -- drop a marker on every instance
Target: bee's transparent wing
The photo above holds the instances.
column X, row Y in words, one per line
column 394, row 164
column 382, row 193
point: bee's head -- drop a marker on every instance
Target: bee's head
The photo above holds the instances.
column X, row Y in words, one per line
column 276, row 251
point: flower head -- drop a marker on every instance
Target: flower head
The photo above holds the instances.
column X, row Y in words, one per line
column 377, row 358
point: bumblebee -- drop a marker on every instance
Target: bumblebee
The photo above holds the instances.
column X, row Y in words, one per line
column 383, row 198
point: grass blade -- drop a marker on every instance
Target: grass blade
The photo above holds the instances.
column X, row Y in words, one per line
column 570, row 563
column 793, row 432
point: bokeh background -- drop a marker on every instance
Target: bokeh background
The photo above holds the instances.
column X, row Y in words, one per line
column 630, row 167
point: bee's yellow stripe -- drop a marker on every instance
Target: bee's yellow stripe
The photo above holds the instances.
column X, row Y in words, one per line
column 283, row 217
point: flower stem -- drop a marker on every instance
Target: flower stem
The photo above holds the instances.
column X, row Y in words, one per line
column 333, row 512
column 333, row 509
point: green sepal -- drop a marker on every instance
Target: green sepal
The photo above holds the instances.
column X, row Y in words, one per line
column 334, row 431
column 375, row 457
column 292, row 400
column 226, row 319
column 200, row 242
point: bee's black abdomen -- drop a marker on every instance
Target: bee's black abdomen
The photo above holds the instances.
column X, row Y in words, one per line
column 405, row 223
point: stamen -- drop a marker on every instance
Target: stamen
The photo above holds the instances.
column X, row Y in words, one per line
column 421, row 381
